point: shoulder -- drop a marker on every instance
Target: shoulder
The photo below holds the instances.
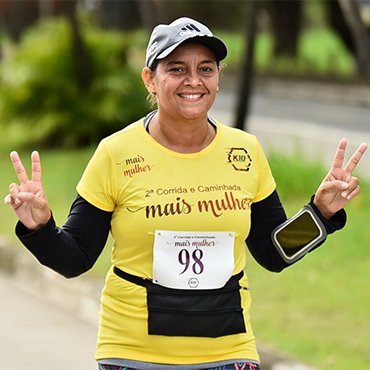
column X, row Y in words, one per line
column 128, row 132
column 236, row 134
column 129, row 138
column 121, row 142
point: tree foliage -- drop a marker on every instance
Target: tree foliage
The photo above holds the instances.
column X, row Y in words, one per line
column 40, row 94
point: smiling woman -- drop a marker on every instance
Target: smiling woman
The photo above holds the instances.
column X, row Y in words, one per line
column 178, row 175
column 185, row 84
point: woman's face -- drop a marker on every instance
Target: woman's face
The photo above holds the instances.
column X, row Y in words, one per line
column 185, row 82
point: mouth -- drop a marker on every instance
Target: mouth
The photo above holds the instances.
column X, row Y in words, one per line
column 191, row 97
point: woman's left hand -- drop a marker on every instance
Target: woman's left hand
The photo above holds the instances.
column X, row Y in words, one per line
column 339, row 186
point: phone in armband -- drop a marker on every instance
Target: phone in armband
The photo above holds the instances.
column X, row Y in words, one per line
column 299, row 234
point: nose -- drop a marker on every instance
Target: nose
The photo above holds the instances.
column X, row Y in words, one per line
column 193, row 79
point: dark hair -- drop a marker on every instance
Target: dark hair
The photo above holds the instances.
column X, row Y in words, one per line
column 154, row 65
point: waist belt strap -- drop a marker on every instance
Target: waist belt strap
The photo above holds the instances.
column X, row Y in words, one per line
column 143, row 282
column 131, row 278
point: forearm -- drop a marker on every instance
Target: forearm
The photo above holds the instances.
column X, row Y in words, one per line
column 265, row 217
column 74, row 248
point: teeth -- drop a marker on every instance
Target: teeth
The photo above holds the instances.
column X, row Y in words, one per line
column 191, row 96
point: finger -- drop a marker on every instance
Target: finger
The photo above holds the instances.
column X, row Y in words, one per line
column 340, row 153
column 14, row 202
column 14, row 190
column 36, row 166
column 334, row 186
column 353, row 193
column 356, row 157
column 353, row 183
column 12, row 197
column 19, row 168
column 32, row 199
column 8, row 199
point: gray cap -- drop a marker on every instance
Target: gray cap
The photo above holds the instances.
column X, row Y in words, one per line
column 165, row 38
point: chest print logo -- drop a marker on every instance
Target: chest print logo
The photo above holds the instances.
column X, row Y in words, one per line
column 135, row 165
column 239, row 159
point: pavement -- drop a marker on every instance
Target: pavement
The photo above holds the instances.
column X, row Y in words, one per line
column 48, row 322
column 37, row 334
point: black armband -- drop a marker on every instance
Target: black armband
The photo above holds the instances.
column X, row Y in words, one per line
column 299, row 234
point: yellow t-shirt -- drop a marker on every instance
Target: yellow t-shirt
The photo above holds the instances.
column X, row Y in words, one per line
column 149, row 187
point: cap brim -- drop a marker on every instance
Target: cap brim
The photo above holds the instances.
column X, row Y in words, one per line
column 213, row 43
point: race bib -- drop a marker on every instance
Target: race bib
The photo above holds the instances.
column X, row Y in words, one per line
column 193, row 259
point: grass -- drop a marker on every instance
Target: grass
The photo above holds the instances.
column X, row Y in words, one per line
column 317, row 310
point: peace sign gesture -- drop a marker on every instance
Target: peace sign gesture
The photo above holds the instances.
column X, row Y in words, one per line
column 339, row 186
column 28, row 198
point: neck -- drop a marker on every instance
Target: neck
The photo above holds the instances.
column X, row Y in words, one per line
column 187, row 136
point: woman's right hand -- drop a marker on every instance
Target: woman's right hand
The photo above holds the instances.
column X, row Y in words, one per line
column 28, row 198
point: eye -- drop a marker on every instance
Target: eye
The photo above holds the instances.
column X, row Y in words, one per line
column 177, row 70
column 207, row 69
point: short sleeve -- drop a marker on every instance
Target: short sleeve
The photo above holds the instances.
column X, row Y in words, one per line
column 98, row 182
column 266, row 181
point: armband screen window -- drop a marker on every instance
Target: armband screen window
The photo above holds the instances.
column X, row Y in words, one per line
column 298, row 235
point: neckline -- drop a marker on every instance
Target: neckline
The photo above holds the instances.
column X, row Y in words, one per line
column 151, row 114
column 145, row 128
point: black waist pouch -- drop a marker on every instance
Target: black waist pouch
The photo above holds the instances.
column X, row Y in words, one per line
column 195, row 313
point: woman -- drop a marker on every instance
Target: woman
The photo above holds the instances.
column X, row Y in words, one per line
column 181, row 194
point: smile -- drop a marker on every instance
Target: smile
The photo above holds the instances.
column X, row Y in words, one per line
column 191, row 96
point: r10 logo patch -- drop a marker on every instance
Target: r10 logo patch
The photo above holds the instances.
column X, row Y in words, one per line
column 240, row 159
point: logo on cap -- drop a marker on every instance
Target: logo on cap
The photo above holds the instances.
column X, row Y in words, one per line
column 190, row 29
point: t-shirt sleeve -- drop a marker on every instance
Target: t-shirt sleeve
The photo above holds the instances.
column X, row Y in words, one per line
column 98, row 182
column 266, row 181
